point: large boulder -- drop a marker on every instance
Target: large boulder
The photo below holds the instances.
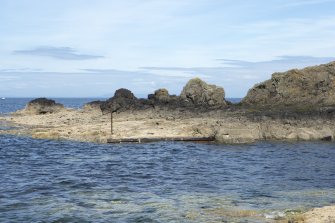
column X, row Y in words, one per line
column 122, row 100
column 305, row 88
column 198, row 93
column 162, row 96
column 40, row 106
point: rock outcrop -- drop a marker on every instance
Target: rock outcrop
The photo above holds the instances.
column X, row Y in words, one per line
column 161, row 95
column 199, row 93
column 196, row 93
column 305, row 88
column 123, row 100
column 41, row 106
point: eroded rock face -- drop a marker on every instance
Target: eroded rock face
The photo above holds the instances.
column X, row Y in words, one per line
column 196, row 93
column 124, row 94
column 41, row 106
column 162, row 96
column 199, row 93
column 312, row 86
column 122, row 100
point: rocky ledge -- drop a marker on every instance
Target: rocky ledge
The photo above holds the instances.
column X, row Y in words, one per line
column 294, row 105
column 196, row 94
column 40, row 106
column 305, row 89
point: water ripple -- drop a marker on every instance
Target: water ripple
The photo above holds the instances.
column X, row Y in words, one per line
column 58, row 181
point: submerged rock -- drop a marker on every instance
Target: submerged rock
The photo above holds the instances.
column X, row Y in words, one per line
column 305, row 88
column 40, row 106
column 198, row 93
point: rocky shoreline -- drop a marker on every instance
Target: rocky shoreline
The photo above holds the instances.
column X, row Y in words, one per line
column 294, row 105
column 226, row 126
column 291, row 106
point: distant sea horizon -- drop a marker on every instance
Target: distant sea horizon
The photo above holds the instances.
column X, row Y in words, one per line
column 12, row 104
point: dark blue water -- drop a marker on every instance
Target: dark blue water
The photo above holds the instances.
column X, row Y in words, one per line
column 61, row 181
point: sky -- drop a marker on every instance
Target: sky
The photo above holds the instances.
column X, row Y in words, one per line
column 85, row 48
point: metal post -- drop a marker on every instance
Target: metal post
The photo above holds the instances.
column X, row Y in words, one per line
column 111, row 121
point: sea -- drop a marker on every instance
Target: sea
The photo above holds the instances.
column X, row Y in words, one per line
column 67, row 181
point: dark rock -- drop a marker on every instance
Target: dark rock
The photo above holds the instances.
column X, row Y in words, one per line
column 123, row 93
column 124, row 100
column 303, row 89
column 196, row 94
column 151, row 96
column 162, row 97
column 42, row 102
column 327, row 138
column 199, row 93
column 43, row 106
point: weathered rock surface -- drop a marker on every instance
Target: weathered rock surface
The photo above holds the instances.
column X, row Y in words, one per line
column 41, row 106
column 237, row 135
column 320, row 215
column 162, row 96
column 122, row 100
column 196, row 94
column 305, row 88
column 200, row 111
column 199, row 93
column 227, row 126
column 92, row 106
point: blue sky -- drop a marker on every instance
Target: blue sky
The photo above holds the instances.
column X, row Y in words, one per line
column 87, row 48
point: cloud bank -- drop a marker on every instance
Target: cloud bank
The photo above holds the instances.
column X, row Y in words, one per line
column 63, row 53
column 235, row 76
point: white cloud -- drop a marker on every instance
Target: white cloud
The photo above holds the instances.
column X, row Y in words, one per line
column 237, row 76
column 63, row 53
column 167, row 34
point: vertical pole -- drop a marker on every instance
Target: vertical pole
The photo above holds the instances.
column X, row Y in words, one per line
column 111, row 121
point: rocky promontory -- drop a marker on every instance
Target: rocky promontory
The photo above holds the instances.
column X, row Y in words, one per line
column 199, row 93
column 40, row 106
column 294, row 105
column 312, row 87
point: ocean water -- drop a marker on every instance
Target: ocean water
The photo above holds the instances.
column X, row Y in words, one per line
column 64, row 181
